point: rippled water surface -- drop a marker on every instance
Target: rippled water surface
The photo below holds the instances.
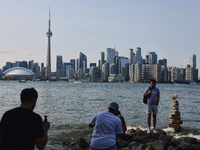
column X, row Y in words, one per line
column 71, row 106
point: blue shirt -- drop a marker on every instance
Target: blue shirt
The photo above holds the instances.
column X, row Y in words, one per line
column 152, row 99
column 106, row 126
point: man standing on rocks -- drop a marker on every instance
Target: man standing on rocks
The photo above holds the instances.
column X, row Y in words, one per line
column 153, row 94
column 106, row 127
column 21, row 128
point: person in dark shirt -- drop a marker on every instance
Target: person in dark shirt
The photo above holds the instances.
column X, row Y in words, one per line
column 21, row 128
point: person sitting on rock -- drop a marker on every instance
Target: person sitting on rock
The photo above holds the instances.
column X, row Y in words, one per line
column 106, row 127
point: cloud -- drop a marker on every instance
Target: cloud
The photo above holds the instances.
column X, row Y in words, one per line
column 3, row 52
column 25, row 50
column 186, row 61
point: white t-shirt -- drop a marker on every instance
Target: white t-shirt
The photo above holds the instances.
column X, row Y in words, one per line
column 107, row 125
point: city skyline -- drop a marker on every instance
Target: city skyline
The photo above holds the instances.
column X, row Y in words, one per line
column 91, row 27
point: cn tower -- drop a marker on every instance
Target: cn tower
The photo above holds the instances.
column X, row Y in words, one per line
column 48, row 63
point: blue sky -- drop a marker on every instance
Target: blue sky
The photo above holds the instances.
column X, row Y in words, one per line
column 170, row 28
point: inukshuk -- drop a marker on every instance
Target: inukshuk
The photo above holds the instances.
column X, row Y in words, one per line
column 175, row 118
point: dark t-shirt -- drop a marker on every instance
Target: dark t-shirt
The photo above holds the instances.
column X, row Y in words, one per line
column 19, row 127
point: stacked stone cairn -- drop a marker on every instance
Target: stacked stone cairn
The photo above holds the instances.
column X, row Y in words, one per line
column 175, row 118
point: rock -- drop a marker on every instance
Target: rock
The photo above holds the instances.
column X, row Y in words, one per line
column 138, row 129
column 175, row 108
column 174, row 98
column 141, row 147
column 177, row 127
column 188, row 140
column 82, row 143
column 195, row 147
column 171, row 148
column 73, row 143
column 198, row 141
column 122, row 143
column 76, row 148
column 134, row 144
column 130, row 131
column 149, row 148
column 183, row 146
column 151, row 140
column 165, row 138
column 174, row 143
column 141, row 139
column 66, row 143
column 125, row 148
column 149, row 143
column 128, row 137
column 160, row 145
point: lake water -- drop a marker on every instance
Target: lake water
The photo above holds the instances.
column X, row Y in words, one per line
column 70, row 106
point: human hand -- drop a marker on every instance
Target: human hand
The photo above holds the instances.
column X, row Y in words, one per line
column 46, row 125
column 149, row 92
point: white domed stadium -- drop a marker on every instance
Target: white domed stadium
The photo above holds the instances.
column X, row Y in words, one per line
column 18, row 73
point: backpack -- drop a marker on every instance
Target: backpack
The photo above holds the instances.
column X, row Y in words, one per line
column 145, row 98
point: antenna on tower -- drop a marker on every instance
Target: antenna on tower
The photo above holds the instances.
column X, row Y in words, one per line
column 49, row 12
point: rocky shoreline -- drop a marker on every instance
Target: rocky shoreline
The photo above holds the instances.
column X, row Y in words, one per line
column 140, row 140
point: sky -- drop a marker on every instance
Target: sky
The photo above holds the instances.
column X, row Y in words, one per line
column 170, row 28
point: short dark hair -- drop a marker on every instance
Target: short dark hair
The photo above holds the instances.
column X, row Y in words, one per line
column 152, row 80
column 28, row 94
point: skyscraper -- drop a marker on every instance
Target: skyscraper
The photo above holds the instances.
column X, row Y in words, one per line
column 162, row 62
column 59, row 64
column 152, row 58
column 193, row 61
column 82, row 62
column 72, row 61
column 48, row 63
column 138, row 55
column 110, row 55
column 102, row 59
column 130, row 56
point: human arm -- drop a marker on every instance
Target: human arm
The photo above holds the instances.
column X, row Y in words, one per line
column 119, row 131
column 123, row 123
column 158, row 99
column 42, row 141
column 147, row 92
column 91, row 125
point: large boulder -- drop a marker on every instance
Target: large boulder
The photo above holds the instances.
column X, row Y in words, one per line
column 195, row 147
column 141, row 147
column 82, row 143
column 188, row 139
column 121, row 143
column 149, row 148
column 183, row 146
column 165, row 138
column 174, row 143
column 160, row 145
column 132, row 144
column 141, row 139
column 171, row 148
column 76, row 148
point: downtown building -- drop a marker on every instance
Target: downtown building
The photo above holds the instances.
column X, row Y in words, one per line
column 59, row 66
column 110, row 55
column 83, row 62
column 105, row 72
column 93, row 73
column 189, row 74
column 193, row 65
column 151, row 71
